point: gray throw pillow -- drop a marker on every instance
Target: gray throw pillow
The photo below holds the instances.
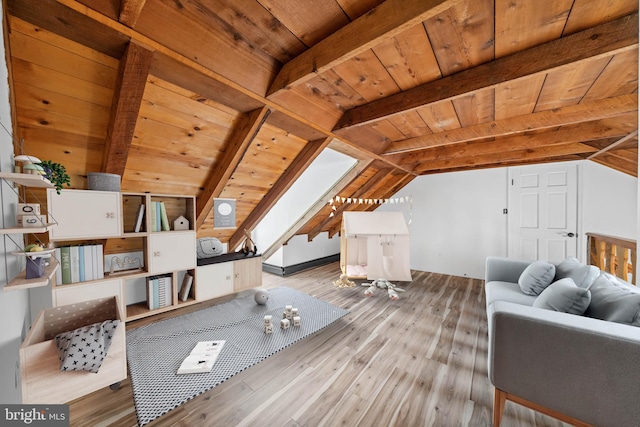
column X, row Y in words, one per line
column 613, row 303
column 84, row 349
column 564, row 296
column 536, row 277
column 583, row 275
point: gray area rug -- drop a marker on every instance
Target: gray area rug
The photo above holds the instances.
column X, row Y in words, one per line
column 155, row 351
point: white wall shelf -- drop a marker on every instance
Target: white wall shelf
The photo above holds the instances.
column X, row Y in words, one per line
column 21, row 282
column 28, row 180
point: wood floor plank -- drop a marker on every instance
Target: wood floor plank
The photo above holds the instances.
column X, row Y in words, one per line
column 417, row 361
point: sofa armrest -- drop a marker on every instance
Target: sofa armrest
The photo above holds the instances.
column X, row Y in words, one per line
column 504, row 269
column 582, row 367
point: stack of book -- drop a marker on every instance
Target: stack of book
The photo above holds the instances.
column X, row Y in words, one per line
column 159, row 219
column 186, row 286
column 159, row 292
column 79, row 263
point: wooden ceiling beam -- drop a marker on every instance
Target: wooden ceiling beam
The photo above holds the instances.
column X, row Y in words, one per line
column 586, row 132
column 314, row 210
column 384, row 22
column 125, row 107
column 130, row 11
column 549, row 119
column 240, row 140
column 622, row 140
column 507, row 156
column 602, row 40
column 307, row 155
column 379, row 176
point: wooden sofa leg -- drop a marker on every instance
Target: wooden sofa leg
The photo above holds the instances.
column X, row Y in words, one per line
column 499, row 399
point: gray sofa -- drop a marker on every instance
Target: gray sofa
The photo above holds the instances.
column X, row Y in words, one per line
column 579, row 369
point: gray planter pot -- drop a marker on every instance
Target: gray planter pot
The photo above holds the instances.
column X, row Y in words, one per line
column 103, row 181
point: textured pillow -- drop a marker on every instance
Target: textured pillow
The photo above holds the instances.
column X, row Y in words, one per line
column 583, row 275
column 613, row 303
column 536, row 277
column 564, row 296
column 208, row 247
column 84, row 349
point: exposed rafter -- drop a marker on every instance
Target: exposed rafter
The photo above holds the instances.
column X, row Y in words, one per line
column 242, row 136
column 130, row 11
column 549, row 119
column 382, row 23
column 606, row 39
column 310, row 151
column 132, row 78
column 621, row 141
column 586, row 132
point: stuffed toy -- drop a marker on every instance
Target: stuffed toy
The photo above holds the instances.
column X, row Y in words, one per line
column 248, row 246
column 343, row 282
column 383, row 284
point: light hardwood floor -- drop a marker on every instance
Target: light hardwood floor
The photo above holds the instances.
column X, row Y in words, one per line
column 418, row 361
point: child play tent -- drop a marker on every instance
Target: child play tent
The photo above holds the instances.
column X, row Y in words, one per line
column 375, row 245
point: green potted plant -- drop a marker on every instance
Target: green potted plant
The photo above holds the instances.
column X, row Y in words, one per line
column 56, row 173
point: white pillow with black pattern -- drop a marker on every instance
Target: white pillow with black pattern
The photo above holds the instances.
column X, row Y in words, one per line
column 84, row 349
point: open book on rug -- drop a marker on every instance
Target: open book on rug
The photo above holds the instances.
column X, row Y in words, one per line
column 202, row 357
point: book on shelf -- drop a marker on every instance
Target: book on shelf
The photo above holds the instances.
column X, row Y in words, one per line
column 80, row 263
column 153, row 217
column 158, row 216
column 202, row 357
column 65, row 264
column 186, row 286
column 58, row 256
column 139, row 218
column 75, row 264
column 164, row 220
column 159, row 292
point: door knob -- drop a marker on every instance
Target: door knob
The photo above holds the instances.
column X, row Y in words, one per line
column 568, row 234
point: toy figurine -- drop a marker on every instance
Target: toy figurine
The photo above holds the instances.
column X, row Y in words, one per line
column 383, row 284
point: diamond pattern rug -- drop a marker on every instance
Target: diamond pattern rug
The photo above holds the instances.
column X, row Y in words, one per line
column 154, row 352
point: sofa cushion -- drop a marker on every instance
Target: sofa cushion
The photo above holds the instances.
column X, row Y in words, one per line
column 506, row 291
column 536, row 277
column 613, row 303
column 583, row 275
column 564, row 296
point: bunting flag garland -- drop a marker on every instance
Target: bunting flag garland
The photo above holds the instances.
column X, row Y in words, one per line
column 393, row 201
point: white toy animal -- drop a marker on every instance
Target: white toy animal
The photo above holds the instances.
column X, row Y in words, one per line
column 383, row 284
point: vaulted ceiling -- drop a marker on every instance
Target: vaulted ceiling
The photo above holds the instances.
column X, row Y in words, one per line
column 234, row 99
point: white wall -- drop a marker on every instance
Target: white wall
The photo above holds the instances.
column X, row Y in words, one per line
column 457, row 220
column 14, row 305
column 609, row 203
column 319, row 177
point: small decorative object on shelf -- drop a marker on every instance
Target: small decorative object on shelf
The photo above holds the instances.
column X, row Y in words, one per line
column 181, row 223
column 56, row 173
column 125, row 266
column 27, row 160
column 35, row 267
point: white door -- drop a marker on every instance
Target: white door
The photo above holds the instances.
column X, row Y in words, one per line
column 543, row 210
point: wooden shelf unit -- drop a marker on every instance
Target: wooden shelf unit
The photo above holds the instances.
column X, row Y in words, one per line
column 21, row 282
column 169, row 252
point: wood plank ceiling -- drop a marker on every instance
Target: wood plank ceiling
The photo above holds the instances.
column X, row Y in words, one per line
column 226, row 98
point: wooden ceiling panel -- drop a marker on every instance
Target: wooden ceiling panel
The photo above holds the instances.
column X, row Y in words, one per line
column 463, row 36
column 568, row 86
column 309, row 24
column 356, row 8
column 476, row 107
column 588, row 13
column 409, row 58
column 206, row 40
column 518, row 97
column 440, row 116
column 367, row 76
column 523, row 24
column 617, row 78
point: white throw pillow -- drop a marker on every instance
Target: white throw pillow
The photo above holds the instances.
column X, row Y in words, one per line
column 536, row 277
column 564, row 296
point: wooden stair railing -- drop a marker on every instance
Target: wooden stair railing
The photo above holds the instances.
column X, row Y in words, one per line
column 615, row 255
